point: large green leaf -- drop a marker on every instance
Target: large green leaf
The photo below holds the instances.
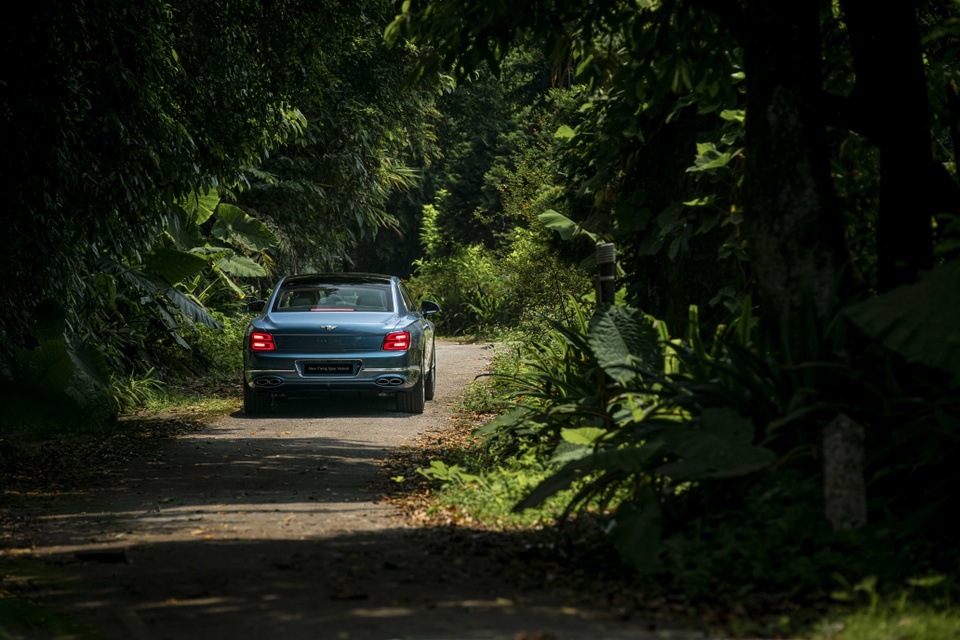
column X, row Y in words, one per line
column 583, row 436
column 719, row 445
column 199, row 207
column 236, row 226
column 919, row 321
column 564, row 226
column 622, row 339
column 172, row 265
column 241, row 266
column 564, row 133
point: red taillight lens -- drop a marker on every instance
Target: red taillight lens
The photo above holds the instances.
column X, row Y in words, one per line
column 262, row 342
column 399, row 341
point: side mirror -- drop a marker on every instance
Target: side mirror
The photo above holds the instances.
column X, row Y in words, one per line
column 428, row 308
column 255, row 306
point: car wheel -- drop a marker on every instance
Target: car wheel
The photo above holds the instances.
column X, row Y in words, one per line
column 431, row 385
column 412, row 401
column 255, row 403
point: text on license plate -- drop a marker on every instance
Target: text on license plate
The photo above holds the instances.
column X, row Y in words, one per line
column 329, row 368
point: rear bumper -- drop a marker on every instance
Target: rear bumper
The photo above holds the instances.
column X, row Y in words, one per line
column 288, row 375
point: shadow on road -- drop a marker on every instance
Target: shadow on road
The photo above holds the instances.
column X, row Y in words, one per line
column 269, row 527
column 388, row 584
column 331, row 404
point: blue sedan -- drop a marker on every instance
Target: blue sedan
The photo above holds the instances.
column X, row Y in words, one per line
column 339, row 331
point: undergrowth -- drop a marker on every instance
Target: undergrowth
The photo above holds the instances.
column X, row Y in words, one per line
column 756, row 545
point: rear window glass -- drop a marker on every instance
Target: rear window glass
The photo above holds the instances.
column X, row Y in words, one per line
column 373, row 298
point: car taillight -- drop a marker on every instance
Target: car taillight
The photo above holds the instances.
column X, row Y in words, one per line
column 399, row 341
column 262, row 342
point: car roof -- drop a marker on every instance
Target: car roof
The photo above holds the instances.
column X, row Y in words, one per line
column 338, row 278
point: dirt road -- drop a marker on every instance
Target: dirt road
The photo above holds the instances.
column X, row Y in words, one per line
column 270, row 527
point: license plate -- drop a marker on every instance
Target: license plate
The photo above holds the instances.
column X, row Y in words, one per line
column 329, row 369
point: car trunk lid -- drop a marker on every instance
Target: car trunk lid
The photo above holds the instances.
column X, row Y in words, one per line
column 331, row 332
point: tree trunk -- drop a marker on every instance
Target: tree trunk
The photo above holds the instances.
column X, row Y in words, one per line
column 791, row 215
column 893, row 109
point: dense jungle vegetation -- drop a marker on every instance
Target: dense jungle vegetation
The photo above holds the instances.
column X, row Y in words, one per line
column 773, row 402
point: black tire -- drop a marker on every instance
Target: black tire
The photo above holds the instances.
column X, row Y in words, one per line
column 255, row 403
column 412, row 401
column 430, row 389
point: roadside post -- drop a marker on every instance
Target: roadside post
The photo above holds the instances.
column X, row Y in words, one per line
column 606, row 273
column 606, row 282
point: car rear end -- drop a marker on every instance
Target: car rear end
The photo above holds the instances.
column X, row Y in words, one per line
column 345, row 333
column 289, row 355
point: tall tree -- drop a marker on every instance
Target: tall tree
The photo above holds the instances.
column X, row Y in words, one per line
column 792, row 219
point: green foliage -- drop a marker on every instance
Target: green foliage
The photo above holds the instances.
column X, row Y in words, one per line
column 218, row 350
column 918, row 321
column 701, row 451
column 369, row 138
column 468, row 288
column 55, row 383
column 526, row 284
column 453, row 474
column 176, row 152
column 707, row 444
column 134, row 391
column 128, row 108
column 554, row 385
column 488, row 498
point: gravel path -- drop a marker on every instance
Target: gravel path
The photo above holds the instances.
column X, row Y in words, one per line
column 270, row 526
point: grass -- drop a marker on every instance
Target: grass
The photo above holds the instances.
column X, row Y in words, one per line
column 910, row 622
column 200, row 399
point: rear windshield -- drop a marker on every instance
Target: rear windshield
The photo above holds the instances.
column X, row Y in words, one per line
column 374, row 298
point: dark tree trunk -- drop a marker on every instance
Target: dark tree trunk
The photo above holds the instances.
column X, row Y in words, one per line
column 791, row 214
column 893, row 110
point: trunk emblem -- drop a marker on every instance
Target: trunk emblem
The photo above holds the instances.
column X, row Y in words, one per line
column 328, row 327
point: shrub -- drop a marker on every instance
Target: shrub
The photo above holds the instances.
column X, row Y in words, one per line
column 220, row 351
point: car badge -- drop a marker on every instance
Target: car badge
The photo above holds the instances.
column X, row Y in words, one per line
column 328, row 327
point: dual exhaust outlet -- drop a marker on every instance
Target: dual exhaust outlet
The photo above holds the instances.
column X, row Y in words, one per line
column 267, row 382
